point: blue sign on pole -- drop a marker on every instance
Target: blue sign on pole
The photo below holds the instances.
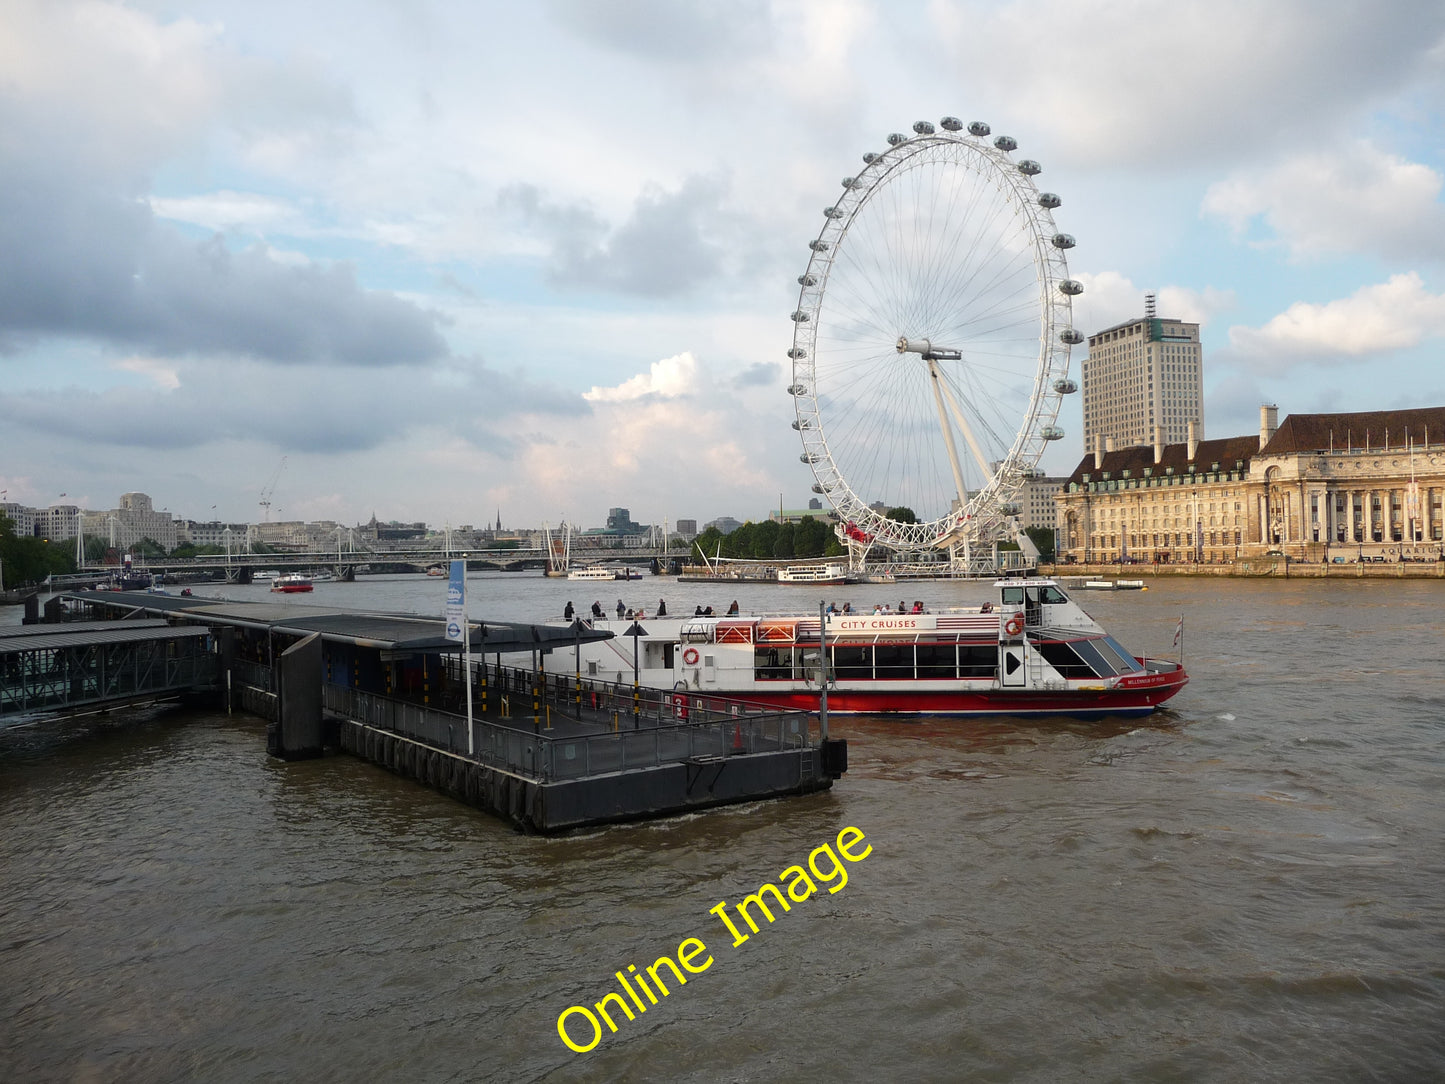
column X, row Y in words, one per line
column 456, row 615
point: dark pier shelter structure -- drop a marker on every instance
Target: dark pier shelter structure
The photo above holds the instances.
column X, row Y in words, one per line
column 546, row 750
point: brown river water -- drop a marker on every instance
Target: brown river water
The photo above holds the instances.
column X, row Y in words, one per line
column 1249, row 885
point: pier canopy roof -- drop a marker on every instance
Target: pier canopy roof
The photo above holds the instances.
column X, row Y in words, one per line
column 382, row 631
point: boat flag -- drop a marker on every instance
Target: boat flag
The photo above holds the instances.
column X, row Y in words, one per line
column 1179, row 632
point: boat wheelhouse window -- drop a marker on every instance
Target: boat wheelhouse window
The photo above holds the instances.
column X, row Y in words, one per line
column 1102, row 664
column 977, row 660
column 1053, row 595
column 1110, row 646
column 937, row 660
column 893, row 661
column 1013, row 596
column 1064, row 659
column 853, row 662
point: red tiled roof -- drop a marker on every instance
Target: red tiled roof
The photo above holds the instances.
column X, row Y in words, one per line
column 1376, row 429
column 1227, row 451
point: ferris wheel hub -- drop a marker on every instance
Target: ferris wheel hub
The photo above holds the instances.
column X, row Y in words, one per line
column 927, row 350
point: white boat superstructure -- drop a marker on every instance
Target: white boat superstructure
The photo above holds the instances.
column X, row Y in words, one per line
column 1034, row 651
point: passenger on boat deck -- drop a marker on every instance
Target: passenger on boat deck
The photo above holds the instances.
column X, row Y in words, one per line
column 902, row 606
column 568, row 613
column 918, row 607
column 640, row 615
column 847, row 607
column 878, row 607
column 986, row 608
column 597, row 608
column 832, row 608
column 620, row 609
column 733, row 609
column 697, row 610
column 707, row 612
column 661, row 608
column 629, row 613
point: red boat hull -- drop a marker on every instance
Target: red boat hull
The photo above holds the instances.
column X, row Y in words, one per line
column 1137, row 694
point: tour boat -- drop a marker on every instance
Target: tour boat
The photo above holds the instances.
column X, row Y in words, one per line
column 291, row 583
column 1034, row 651
column 592, row 572
column 813, row 574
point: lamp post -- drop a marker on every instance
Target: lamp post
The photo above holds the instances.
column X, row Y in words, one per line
column 635, row 632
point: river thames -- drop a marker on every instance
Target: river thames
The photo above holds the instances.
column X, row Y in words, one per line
column 1246, row 886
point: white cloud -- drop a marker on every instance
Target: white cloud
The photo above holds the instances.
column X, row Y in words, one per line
column 1161, row 85
column 225, row 211
column 668, row 379
column 1382, row 318
column 158, row 372
column 1110, row 298
column 1359, row 199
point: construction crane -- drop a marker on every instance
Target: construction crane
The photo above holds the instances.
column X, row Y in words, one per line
column 270, row 488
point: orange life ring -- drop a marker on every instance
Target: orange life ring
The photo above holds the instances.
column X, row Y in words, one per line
column 689, row 656
column 1014, row 625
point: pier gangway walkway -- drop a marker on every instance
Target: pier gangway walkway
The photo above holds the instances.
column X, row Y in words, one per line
column 93, row 665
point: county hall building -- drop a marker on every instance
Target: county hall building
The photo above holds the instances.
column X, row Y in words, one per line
column 1320, row 487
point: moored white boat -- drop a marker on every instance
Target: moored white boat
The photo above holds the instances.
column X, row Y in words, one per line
column 592, row 572
column 1032, row 652
column 830, row 573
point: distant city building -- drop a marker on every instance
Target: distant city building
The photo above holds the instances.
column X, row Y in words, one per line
column 1037, row 503
column 687, row 528
column 134, row 521
column 1139, row 376
column 21, row 517
column 619, row 520
column 797, row 515
column 725, row 524
column 1319, row 487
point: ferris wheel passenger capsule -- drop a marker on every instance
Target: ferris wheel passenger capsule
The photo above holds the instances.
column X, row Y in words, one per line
column 797, row 389
column 810, row 457
column 922, row 127
column 870, row 157
column 896, row 138
column 835, row 212
column 818, row 488
column 1072, row 287
column 1052, row 432
column 1072, row 336
column 1029, row 168
column 801, row 317
column 1010, row 508
column 807, row 280
column 951, row 124
column 797, row 352
column 1063, row 240
column 1065, row 386
column 818, row 246
column 1049, row 200
column 978, row 128
column 1006, row 143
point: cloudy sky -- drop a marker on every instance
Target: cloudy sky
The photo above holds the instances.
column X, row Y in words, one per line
column 450, row 258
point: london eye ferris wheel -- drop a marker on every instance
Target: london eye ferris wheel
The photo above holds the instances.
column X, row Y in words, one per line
column 931, row 340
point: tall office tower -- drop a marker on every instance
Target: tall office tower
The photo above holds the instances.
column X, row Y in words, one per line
column 1140, row 375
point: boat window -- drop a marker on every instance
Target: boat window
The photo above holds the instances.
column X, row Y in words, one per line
column 772, row 663
column 937, row 660
column 1101, row 666
column 1013, row 596
column 977, row 660
column 853, row 662
column 1110, row 646
column 1064, row 659
column 1053, row 596
column 893, row 661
